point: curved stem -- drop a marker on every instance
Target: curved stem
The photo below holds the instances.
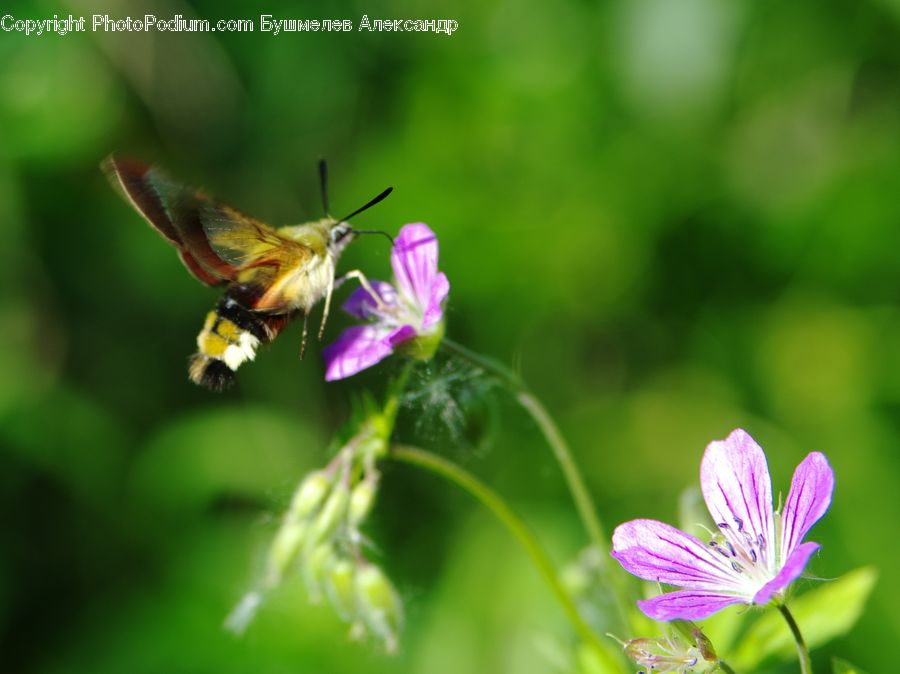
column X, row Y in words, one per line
column 580, row 494
column 513, row 523
column 561, row 451
column 584, row 504
column 802, row 650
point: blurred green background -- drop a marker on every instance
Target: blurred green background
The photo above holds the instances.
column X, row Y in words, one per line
column 674, row 217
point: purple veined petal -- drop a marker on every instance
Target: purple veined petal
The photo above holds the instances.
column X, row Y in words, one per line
column 434, row 310
column 807, row 501
column 687, row 605
column 659, row 552
column 415, row 259
column 399, row 335
column 362, row 305
column 734, row 478
column 356, row 349
column 790, row 572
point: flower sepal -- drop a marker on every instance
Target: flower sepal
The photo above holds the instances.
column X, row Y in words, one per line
column 423, row 346
column 673, row 653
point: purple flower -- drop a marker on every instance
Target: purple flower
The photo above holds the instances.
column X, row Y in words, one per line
column 408, row 314
column 757, row 552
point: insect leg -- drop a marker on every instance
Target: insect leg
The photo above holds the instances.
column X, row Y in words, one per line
column 305, row 333
column 328, row 294
column 364, row 282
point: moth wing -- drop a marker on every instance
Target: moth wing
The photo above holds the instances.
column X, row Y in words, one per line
column 265, row 261
column 217, row 243
column 172, row 210
column 239, row 240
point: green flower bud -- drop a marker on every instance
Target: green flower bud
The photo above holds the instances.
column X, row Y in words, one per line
column 667, row 654
column 332, row 514
column 316, row 567
column 284, row 549
column 361, row 499
column 339, row 585
column 309, row 495
column 688, row 631
column 704, row 645
column 379, row 604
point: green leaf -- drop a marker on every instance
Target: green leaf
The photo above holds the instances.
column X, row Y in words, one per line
column 823, row 614
column 843, row 667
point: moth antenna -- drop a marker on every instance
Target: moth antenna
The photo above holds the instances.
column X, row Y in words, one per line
column 375, row 231
column 369, row 205
column 323, row 184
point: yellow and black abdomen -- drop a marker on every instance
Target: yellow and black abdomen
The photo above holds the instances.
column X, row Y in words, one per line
column 230, row 336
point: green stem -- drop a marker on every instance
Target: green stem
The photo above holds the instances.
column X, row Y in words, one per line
column 802, row 650
column 580, row 494
column 513, row 523
column 395, row 390
column 584, row 504
column 725, row 667
column 561, row 451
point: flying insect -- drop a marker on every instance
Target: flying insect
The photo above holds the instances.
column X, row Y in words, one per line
column 270, row 275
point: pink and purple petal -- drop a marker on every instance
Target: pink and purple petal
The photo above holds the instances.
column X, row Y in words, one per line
column 434, row 311
column 415, row 259
column 807, row 501
column 734, row 478
column 357, row 348
column 790, row 572
column 687, row 605
column 363, row 306
column 659, row 552
column 399, row 335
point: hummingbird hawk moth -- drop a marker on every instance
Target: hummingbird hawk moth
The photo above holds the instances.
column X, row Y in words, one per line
column 270, row 275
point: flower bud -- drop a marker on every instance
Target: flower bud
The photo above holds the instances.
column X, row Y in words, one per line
column 284, row 549
column 317, row 564
column 331, row 515
column 704, row 645
column 309, row 495
column 339, row 585
column 379, row 604
column 669, row 654
column 692, row 634
column 361, row 499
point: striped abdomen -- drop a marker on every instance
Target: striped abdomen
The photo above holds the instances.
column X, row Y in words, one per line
column 230, row 336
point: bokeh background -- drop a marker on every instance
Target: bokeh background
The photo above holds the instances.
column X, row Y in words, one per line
column 673, row 217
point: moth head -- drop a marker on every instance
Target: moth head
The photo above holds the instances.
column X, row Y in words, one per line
column 341, row 232
column 340, row 235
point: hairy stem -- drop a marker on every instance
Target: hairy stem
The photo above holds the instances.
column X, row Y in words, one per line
column 514, row 524
column 802, row 650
